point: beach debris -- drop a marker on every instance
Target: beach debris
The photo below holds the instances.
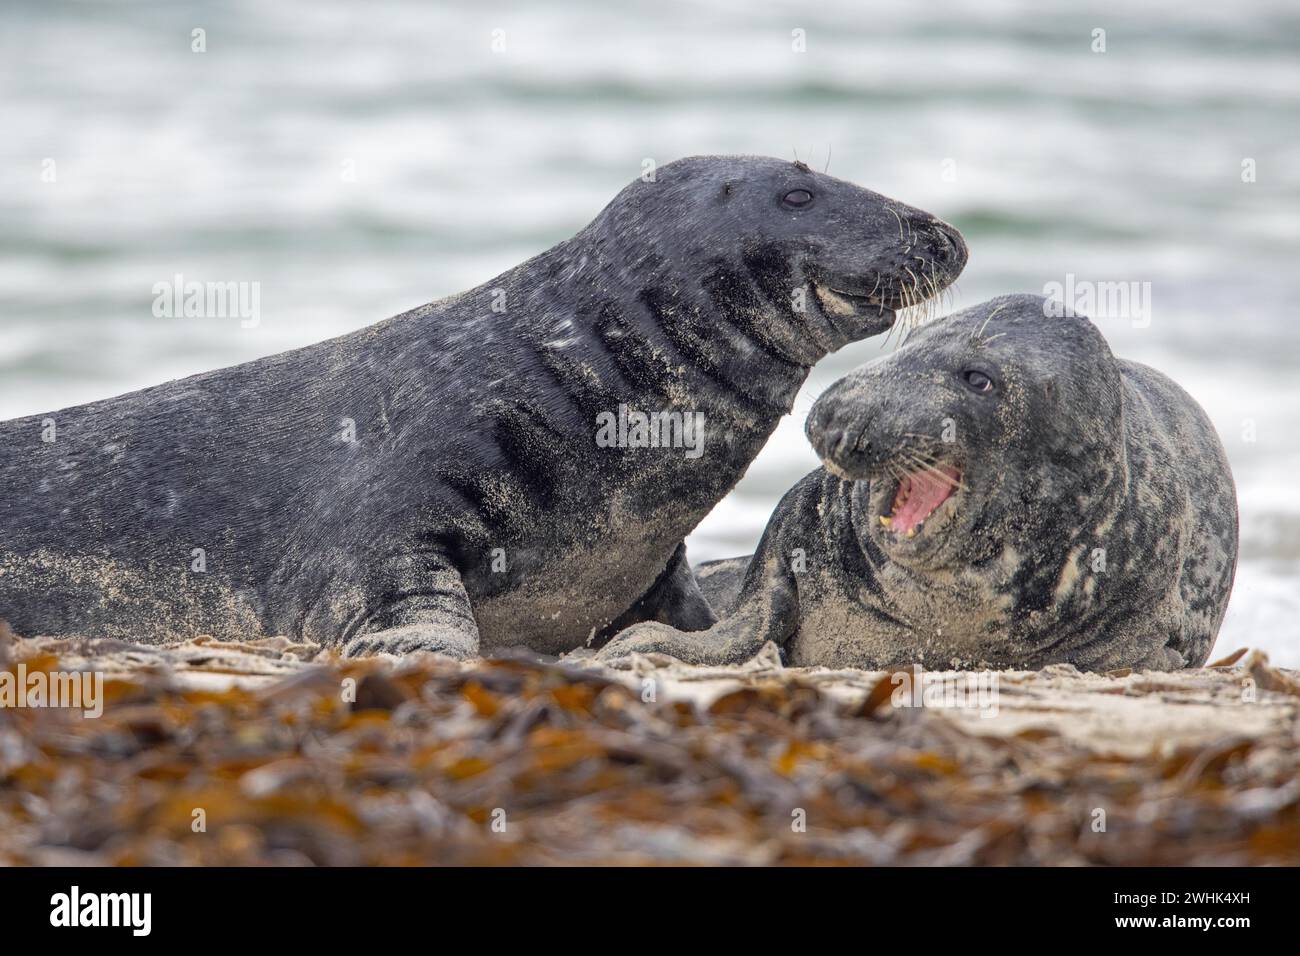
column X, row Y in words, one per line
column 1231, row 659
column 276, row 753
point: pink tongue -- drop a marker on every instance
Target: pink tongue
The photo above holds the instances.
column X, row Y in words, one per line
column 927, row 492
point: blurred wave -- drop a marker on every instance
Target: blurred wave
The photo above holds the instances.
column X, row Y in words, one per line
column 357, row 160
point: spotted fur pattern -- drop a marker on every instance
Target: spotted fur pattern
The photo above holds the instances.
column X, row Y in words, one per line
column 1096, row 524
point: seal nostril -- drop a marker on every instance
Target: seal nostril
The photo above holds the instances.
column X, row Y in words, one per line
column 828, row 441
column 952, row 241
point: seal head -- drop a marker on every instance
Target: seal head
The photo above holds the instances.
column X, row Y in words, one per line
column 792, row 231
column 974, row 431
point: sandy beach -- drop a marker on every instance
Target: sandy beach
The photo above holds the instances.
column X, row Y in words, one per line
column 275, row 752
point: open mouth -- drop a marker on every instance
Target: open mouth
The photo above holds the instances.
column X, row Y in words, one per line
column 919, row 495
column 843, row 302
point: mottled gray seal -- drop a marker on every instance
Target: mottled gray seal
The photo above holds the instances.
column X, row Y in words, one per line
column 436, row 481
column 1000, row 492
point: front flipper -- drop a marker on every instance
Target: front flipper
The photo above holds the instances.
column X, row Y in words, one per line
column 696, row 647
column 720, row 581
column 674, row 599
column 767, row 610
column 422, row 607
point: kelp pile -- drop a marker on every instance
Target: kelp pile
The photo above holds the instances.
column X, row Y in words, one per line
column 520, row 761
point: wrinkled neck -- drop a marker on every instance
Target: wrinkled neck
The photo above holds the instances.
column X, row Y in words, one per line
column 715, row 322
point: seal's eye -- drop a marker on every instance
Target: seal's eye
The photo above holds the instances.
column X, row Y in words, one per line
column 977, row 380
column 797, row 198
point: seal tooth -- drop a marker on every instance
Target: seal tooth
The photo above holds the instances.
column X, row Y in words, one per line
column 886, row 521
column 911, row 532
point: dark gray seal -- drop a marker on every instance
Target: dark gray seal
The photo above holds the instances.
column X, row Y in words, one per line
column 439, row 481
column 1000, row 492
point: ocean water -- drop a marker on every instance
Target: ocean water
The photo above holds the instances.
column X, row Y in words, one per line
column 356, row 160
